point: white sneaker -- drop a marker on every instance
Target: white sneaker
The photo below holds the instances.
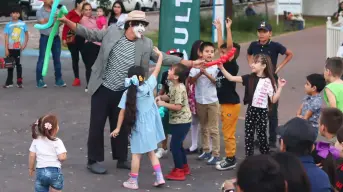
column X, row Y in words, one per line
column 161, row 152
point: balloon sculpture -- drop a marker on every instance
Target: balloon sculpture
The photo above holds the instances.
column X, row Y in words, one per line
column 222, row 59
column 162, row 111
column 62, row 11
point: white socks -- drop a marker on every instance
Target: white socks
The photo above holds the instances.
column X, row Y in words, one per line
column 195, row 132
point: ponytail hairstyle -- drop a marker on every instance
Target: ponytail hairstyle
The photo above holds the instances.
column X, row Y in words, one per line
column 131, row 99
column 46, row 126
column 268, row 71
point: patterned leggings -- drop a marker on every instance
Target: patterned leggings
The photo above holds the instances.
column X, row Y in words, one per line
column 256, row 119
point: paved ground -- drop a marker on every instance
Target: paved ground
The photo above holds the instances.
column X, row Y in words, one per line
column 20, row 107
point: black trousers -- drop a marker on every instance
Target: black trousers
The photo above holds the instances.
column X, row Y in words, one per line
column 15, row 53
column 105, row 104
column 89, row 54
column 273, row 122
column 75, row 50
column 256, row 119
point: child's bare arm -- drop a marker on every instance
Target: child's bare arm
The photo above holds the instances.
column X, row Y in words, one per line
column 229, row 42
column 299, row 110
column 26, row 40
column 32, row 160
column 6, row 45
column 209, row 76
column 159, row 62
column 331, row 97
column 289, row 55
column 218, row 26
column 228, row 76
column 62, row 157
column 308, row 115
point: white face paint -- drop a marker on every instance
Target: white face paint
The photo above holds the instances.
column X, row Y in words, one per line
column 139, row 30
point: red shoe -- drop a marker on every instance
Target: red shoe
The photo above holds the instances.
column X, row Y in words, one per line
column 186, row 169
column 20, row 82
column 176, row 175
column 76, row 82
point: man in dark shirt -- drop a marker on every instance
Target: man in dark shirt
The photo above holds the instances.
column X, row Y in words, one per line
column 298, row 137
column 266, row 46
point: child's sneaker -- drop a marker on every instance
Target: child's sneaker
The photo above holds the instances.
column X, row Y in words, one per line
column 60, row 83
column 159, row 183
column 41, row 84
column 20, row 82
column 213, row 160
column 186, row 169
column 131, row 184
column 204, row 156
column 76, row 82
column 176, row 175
column 7, row 86
column 226, row 164
column 161, row 152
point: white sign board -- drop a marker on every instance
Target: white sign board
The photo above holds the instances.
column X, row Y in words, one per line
column 218, row 13
column 293, row 6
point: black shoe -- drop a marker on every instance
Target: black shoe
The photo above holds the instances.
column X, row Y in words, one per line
column 189, row 152
column 96, row 168
column 123, row 165
column 226, row 164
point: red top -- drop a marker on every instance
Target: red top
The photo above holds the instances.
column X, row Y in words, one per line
column 74, row 17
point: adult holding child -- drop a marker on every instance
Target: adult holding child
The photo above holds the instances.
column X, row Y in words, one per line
column 120, row 50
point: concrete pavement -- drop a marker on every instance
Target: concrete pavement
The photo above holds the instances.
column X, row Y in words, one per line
column 21, row 107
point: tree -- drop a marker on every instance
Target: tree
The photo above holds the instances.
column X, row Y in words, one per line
column 229, row 9
column 266, row 7
column 104, row 3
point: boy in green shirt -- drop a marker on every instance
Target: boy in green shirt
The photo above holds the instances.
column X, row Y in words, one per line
column 333, row 93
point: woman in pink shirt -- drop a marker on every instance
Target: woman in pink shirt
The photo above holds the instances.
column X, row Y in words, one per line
column 90, row 50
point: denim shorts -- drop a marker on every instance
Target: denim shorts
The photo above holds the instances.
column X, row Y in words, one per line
column 48, row 177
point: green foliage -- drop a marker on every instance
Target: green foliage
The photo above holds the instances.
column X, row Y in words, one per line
column 247, row 24
column 104, row 3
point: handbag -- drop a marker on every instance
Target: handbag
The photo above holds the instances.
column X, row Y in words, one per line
column 7, row 63
column 70, row 37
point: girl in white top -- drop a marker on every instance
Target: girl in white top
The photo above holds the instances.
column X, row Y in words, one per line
column 49, row 152
column 260, row 92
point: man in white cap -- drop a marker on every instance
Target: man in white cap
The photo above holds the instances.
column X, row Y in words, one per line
column 120, row 50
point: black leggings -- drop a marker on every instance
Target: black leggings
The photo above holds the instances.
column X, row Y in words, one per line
column 89, row 54
column 75, row 50
column 256, row 119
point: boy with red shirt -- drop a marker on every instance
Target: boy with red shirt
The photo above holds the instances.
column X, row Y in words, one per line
column 73, row 41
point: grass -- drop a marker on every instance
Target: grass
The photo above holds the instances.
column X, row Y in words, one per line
column 244, row 30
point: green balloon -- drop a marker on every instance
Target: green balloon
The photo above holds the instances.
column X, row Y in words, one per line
column 63, row 11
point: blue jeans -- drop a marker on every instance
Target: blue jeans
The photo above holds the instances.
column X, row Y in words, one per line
column 56, row 54
column 48, row 177
column 179, row 133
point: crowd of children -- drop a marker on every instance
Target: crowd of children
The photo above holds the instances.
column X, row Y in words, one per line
column 194, row 99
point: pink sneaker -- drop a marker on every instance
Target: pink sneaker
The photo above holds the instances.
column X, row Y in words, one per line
column 159, row 183
column 131, row 184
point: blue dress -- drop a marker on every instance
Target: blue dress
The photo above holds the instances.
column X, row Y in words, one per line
column 149, row 129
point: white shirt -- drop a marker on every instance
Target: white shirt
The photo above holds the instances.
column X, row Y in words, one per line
column 205, row 90
column 47, row 152
column 264, row 89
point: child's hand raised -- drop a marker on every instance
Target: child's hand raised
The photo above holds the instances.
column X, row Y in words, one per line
column 158, row 52
column 282, row 82
column 228, row 23
column 217, row 24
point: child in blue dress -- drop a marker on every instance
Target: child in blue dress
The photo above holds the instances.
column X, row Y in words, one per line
column 139, row 116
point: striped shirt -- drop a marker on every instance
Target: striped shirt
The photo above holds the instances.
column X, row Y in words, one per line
column 121, row 58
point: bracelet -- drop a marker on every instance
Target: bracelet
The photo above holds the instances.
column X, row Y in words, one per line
column 32, row 169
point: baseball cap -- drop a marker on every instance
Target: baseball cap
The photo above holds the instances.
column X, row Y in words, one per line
column 264, row 26
column 297, row 130
column 174, row 52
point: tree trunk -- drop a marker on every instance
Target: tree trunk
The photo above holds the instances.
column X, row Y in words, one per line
column 266, row 7
column 228, row 8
